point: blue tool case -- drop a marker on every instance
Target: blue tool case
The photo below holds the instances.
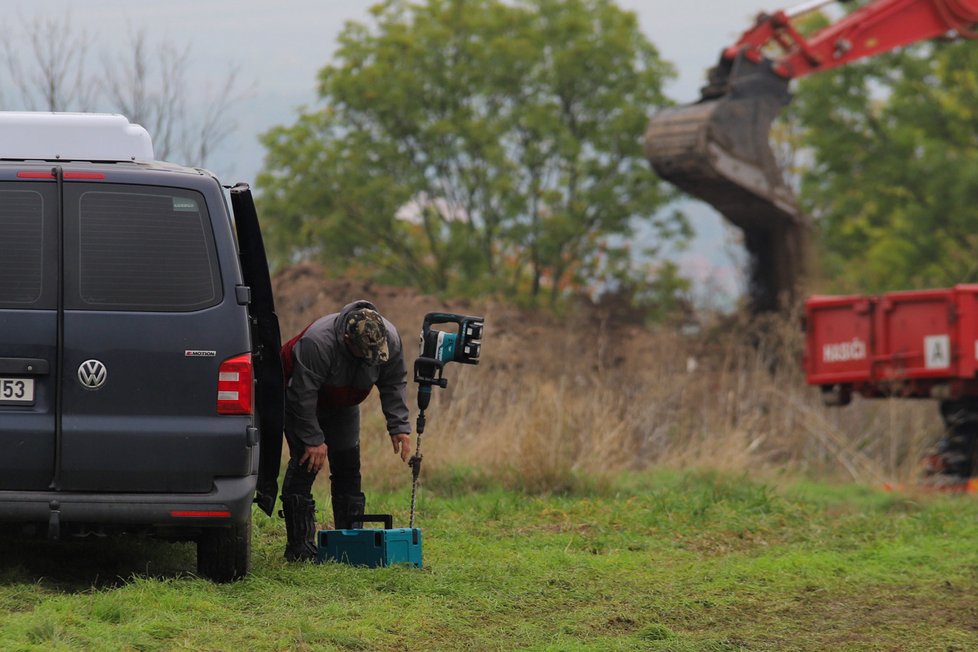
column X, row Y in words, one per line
column 371, row 547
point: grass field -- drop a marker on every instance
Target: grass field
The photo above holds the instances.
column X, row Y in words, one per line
column 685, row 561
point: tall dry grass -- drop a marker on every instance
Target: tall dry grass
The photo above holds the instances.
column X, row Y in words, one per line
column 555, row 401
column 557, row 398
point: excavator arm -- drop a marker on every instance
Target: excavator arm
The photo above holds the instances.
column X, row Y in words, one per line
column 717, row 149
column 877, row 27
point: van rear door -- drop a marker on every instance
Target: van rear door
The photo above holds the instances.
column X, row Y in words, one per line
column 28, row 332
column 149, row 318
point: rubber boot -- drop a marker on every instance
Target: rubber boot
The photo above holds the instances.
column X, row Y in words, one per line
column 346, row 510
column 300, row 527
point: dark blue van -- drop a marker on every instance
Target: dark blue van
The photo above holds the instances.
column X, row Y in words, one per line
column 137, row 340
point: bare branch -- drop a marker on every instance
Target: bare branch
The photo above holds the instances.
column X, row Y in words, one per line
column 47, row 65
column 53, row 77
column 147, row 87
column 214, row 122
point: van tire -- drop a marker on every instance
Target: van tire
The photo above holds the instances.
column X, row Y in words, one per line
column 224, row 554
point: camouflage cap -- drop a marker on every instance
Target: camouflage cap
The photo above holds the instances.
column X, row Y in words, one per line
column 367, row 331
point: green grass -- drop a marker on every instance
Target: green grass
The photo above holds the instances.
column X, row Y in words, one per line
column 653, row 562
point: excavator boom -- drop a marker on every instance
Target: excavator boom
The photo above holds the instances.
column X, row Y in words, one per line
column 717, row 148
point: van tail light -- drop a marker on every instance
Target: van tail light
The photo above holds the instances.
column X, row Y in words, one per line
column 235, row 386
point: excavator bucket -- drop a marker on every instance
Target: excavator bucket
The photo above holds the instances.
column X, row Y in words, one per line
column 717, row 150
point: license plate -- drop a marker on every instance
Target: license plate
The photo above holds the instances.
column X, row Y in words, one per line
column 16, row 390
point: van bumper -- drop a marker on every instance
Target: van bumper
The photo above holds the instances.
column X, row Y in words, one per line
column 228, row 502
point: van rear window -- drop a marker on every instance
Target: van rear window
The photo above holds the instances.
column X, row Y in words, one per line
column 148, row 249
column 21, row 247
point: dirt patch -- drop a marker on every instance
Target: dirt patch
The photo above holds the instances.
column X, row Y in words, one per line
column 555, row 528
column 870, row 617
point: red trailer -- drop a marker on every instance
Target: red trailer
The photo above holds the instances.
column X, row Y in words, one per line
column 918, row 344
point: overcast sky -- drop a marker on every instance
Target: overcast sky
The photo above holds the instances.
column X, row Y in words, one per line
column 280, row 45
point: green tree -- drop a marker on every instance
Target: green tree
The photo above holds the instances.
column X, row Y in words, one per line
column 894, row 172
column 472, row 145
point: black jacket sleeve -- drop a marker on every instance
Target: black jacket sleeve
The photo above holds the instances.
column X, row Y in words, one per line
column 392, row 385
column 302, row 393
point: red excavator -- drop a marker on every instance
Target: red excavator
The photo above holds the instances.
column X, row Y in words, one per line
column 717, row 148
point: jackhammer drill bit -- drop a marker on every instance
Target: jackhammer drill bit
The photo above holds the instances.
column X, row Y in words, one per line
column 415, row 463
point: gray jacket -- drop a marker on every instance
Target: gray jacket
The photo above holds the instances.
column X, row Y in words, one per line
column 325, row 375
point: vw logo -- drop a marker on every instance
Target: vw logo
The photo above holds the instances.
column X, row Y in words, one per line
column 91, row 374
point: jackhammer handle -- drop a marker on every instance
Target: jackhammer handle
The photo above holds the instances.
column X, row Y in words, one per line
column 428, row 371
column 446, row 318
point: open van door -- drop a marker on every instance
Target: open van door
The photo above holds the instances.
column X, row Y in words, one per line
column 266, row 343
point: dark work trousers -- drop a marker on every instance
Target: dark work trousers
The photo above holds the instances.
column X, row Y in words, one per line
column 341, row 426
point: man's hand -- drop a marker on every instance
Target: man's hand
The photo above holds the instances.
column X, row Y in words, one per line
column 402, row 445
column 316, row 457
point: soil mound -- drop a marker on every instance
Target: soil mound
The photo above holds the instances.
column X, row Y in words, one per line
column 515, row 338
